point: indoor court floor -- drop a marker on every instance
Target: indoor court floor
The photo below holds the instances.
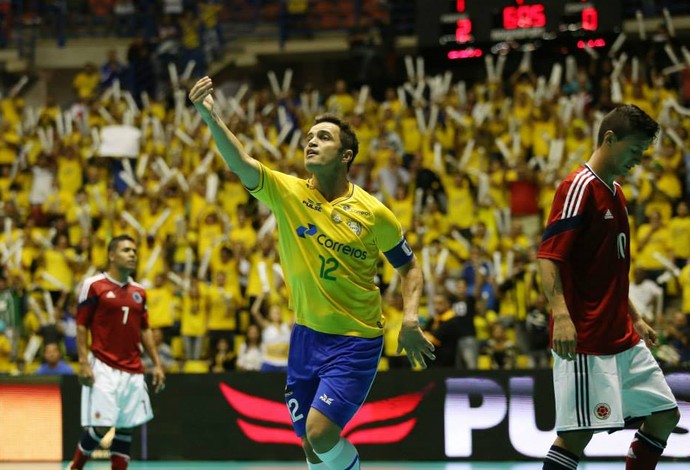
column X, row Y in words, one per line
column 103, row 465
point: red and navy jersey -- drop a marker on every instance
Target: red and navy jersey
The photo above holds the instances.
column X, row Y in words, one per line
column 588, row 235
column 116, row 314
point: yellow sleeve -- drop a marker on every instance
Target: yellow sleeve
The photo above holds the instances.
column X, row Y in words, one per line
column 387, row 229
column 271, row 185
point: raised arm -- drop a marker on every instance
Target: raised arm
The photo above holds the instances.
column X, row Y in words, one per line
column 256, row 311
column 229, row 146
column 564, row 334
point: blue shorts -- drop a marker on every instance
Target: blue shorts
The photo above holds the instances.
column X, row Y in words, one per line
column 332, row 373
column 265, row 367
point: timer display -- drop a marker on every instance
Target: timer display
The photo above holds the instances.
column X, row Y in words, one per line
column 524, row 16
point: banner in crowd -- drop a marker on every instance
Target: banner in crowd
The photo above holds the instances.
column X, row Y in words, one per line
column 119, row 141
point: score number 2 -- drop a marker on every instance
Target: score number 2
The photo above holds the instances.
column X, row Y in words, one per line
column 463, row 30
column 463, row 27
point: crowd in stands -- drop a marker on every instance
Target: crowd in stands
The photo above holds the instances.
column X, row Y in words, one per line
column 469, row 169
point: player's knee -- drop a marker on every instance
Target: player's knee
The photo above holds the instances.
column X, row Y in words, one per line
column 668, row 419
column 574, row 442
column 321, row 436
column 316, row 436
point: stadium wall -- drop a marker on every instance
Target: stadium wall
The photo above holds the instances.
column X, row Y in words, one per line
column 432, row 415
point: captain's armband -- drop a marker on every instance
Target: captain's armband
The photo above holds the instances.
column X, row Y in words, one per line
column 400, row 254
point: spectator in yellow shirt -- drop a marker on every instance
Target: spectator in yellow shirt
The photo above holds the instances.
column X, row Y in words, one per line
column 242, row 232
column 402, row 205
column 192, row 47
column 193, row 321
column 652, row 237
column 161, row 304
column 461, row 201
column 679, row 226
column 57, row 267
column 665, row 191
column 223, row 307
column 86, row 82
column 209, row 12
column 340, row 102
column 69, row 169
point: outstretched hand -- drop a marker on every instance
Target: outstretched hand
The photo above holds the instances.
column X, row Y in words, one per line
column 201, row 96
column 415, row 344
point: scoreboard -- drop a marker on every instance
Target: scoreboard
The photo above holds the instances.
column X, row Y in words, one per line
column 452, row 26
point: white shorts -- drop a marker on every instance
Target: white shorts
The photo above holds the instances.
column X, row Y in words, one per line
column 601, row 393
column 117, row 398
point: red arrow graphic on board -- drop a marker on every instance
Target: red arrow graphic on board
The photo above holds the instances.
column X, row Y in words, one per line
column 275, row 427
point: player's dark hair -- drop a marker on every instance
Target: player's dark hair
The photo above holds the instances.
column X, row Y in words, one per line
column 627, row 120
column 112, row 246
column 348, row 139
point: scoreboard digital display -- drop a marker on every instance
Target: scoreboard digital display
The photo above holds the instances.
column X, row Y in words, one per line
column 458, row 24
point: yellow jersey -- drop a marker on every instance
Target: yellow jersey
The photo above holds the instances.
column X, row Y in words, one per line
column 680, row 236
column 161, row 305
column 329, row 252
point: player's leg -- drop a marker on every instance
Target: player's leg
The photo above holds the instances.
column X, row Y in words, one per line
column 646, row 393
column 299, row 394
column 650, row 440
column 345, row 383
column 300, row 389
column 566, row 450
column 121, row 449
column 99, row 412
column 328, row 445
column 588, row 399
column 135, row 410
column 88, row 442
column 313, row 460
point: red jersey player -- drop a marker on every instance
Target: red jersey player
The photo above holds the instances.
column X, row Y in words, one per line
column 604, row 374
column 113, row 307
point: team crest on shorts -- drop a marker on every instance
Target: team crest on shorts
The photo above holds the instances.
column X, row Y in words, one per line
column 137, row 297
column 602, row 411
column 97, row 415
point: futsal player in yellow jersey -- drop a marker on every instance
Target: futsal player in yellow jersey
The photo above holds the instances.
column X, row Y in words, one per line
column 331, row 233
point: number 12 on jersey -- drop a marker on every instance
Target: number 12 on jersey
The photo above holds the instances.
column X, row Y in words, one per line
column 327, row 267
